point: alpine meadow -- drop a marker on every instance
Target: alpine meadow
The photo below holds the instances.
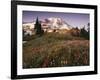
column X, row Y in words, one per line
column 55, row 39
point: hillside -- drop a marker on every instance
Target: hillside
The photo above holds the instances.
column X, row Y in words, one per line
column 55, row 50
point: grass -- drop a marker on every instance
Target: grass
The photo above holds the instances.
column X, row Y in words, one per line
column 55, row 50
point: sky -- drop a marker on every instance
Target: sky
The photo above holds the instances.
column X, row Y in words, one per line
column 73, row 19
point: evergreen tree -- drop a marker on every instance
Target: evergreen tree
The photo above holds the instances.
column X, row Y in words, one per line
column 88, row 25
column 23, row 35
column 75, row 31
column 84, row 33
column 38, row 28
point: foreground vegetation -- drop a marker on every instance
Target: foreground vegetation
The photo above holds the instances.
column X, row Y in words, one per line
column 55, row 50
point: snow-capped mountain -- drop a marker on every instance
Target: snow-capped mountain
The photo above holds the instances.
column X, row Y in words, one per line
column 55, row 23
column 52, row 23
column 48, row 25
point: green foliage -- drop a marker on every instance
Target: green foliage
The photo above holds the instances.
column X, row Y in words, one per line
column 80, row 32
column 38, row 28
column 75, row 32
column 84, row 33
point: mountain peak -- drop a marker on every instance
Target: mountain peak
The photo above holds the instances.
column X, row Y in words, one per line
column 55, row 22
column 52, row 23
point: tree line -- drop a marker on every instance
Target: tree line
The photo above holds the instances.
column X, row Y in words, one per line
column 74, row 31
column 80, row 32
